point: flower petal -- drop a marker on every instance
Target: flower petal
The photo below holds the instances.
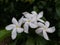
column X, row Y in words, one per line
column 21, row 21
column 41, row 20
column 32, row 25
column 14, row 34
column 40, row 15
column 39, row 30
column 51, row 29
column 10, row 27
column 27, row 15
column 45, row 35
column 19, row 30
column 34, row 13
column 25, row 20
column 40, row 24
column 14, row 21
column 33, row 19
column 26, row 28
column 47, row 24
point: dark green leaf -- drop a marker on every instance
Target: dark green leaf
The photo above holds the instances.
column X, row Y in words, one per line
column 4, row 34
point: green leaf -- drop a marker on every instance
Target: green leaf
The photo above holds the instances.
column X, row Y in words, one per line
column 30, row 41
column 4, row 34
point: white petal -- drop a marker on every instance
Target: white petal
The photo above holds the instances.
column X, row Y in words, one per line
column 41, row 20
column 19, row 30
column 34, row 13
column 26, row 28
column 51, row 29
column 21, row 21
column 34, row 19
column 47, row 24
column 10, row 27
column 32, row 25
column 14, row 21
column 25, row 19
column 45, row 35
column 40, row 24
column 14, row 34
column 39, row 30
column 40, row 15
column 26, row 14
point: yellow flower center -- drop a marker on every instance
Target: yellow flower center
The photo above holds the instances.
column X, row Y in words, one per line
column 28, row 21
column 17, row 26
column 45, row 28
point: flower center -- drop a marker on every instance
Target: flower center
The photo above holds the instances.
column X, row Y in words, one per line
column 17, row 26
column 28, row 20
column 45, row 28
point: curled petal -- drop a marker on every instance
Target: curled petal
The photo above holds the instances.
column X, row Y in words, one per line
column 47, row 24
column 45, row 35
column 14, row 34
column 14, row 21
column 34, row 13
column 27, row 15
column 10, row 27
column 51, row 29
column 40, row 15
column 41, row 20
column 26, row 27
column 19, row 30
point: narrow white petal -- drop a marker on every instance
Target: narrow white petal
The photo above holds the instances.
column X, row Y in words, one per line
column 40, row 15
column 51, row 29
column 14, row 21
column 26, row 28
column 41, row 20
column 39, row 30
column 14, row 34
column 32, row 25
column 47, row 24
column 21, row 21
column 45, row 35
column 10, row 27
column 19, row 30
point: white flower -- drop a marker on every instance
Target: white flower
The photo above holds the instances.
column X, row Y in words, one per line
column 34, row 15
column 15, row 27
column 29, row 21
column 45, row 28
column 38, row 16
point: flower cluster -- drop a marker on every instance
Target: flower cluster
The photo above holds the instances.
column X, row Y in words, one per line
column 32, row 20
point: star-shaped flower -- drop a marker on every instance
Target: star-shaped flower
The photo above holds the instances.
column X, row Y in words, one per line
column 45, row 28
column 15, row 27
